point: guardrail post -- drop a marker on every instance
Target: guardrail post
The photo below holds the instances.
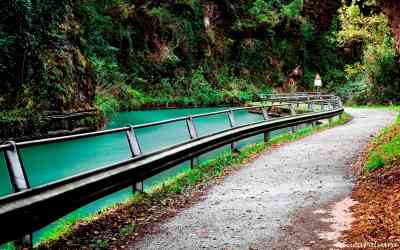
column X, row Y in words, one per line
column 331, row 106
column 266, row 118
column 265, row 113
column 340, row 105
column 135, row 151
column 309, row 105
column 311, row 108
column 292, row 112
column 232, row 123
column 19, row 182
column 193, row 135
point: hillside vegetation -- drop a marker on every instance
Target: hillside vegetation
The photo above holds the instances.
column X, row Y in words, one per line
column 68, row 56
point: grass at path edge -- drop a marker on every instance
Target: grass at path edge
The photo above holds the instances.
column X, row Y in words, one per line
column 384, row 150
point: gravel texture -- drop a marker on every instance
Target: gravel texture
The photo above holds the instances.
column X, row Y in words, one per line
column 249, row 208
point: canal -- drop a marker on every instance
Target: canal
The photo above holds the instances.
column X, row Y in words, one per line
column 51, row 162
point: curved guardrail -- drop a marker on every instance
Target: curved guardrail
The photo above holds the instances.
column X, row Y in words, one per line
column 30, row 209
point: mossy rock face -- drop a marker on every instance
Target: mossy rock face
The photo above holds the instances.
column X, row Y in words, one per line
column 68, row 79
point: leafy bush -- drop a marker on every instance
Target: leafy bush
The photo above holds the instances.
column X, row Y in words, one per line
column 375, row 78
column 107, row 104
column 382, row 71
column 293, row 9
column 354, row 92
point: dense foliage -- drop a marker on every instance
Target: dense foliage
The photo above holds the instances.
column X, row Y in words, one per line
column 365, row 35
column 127, row 54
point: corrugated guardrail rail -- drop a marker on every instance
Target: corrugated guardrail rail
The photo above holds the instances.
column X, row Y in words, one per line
column 30, row 209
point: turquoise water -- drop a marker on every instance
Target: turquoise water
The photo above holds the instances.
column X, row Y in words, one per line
column 5, row 185
column 51, row 162
column 47, row 163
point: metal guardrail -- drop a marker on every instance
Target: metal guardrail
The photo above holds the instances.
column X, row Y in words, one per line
column 276, row 97
column 30, row 209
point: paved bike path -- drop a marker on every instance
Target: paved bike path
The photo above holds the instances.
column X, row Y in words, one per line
column 249, row 208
